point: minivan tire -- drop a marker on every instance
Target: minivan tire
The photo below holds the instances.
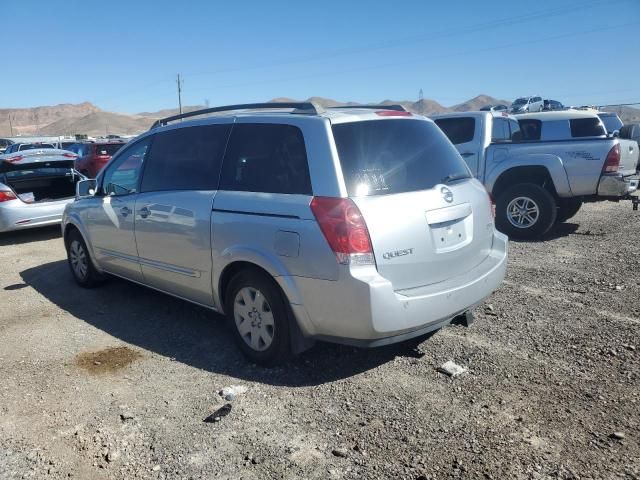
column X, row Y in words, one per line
column 265, row 339
column 528, row 196
column 80, row 264
column 568, row 208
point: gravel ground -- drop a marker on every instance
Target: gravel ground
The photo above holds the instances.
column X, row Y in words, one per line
column 116, row 382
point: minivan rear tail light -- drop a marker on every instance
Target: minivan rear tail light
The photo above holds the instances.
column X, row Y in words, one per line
column 612, row 162
column 15, row 159
column 6, row 195
column 344, row 228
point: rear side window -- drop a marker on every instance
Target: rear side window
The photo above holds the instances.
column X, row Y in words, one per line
column 586, row 127
column 458, row 130
column 530, row 129
column 514, row 131
column 185, row 159
column 394, row 156
column 268, row 158
column 500, row 130
column 611, row 122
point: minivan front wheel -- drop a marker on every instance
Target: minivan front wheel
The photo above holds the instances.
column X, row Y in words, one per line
column 259, row 318
column 82, row 269
column 525, row 211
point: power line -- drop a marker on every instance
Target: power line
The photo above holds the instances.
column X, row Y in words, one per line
column 412, row 61
column 539, row 15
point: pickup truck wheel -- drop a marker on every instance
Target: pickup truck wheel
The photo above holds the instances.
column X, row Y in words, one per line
column 567, row 208
column 259, row 318
column 525, row 211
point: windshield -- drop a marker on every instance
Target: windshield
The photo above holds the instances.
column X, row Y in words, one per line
column 520, row 101
column 34, row 146
column 39, row 172
column 393, row 156
column 611, row 122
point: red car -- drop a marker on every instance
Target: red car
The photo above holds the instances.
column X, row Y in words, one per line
column 93, row 156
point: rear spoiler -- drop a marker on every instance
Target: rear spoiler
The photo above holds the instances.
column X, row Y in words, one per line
column 7, row 166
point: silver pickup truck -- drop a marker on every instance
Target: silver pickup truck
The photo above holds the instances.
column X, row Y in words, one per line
column 541, row 167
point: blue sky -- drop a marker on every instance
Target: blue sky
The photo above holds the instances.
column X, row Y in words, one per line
column 124, row 55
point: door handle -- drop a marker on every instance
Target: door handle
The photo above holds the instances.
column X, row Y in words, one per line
column 124, row 211
column 144, row 212
column 467, row 154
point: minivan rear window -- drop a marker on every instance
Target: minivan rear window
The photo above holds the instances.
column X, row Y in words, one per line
column 458, row 129
column 586, row 127
column 393, row 156
column 108, row 149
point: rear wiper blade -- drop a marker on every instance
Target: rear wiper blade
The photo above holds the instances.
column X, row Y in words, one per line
column 454, row 176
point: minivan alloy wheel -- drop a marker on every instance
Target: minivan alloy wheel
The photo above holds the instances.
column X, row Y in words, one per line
column 522, row 212
column 79, row 260
column 254, row 318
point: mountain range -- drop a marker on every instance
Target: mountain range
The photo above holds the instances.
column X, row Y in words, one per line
column 86, row 118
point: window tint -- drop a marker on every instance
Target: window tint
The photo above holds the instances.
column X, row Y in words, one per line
column 186, row 159
column 530, row 129
column 586, row 127
column 123, row 173
column 393, row 156
column 34, row 146
column 458, row 129
column 266, row 158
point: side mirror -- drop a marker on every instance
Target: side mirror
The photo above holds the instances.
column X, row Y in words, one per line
column 615, row 133
column 86, row 188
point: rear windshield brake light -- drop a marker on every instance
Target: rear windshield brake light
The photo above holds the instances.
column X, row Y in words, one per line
column 393, row 113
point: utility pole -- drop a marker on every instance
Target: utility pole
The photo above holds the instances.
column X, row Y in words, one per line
column 10, row 125
column 421, row 102
column 179, row 95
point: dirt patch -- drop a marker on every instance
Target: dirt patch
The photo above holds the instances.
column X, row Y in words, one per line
column 107, row 360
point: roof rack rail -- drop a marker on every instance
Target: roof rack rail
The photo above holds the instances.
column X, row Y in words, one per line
column 395, row 107
column 303, row 108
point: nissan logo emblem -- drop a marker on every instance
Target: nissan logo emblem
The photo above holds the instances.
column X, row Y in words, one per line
column 446, row 194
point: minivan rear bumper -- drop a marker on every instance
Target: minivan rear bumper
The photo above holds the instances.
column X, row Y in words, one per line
column 361, row 308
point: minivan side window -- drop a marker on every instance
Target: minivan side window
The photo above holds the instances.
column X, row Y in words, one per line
column 123, row 174
column 186, row 158
column 458, row 129
column 267, row 158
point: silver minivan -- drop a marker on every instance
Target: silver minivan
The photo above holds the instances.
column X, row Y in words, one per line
column 527, row 105
column 360, row 225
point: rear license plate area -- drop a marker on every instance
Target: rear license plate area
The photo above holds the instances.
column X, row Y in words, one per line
column 449, row 236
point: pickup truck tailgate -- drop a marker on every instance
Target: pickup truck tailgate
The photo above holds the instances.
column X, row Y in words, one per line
column 628, row 156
